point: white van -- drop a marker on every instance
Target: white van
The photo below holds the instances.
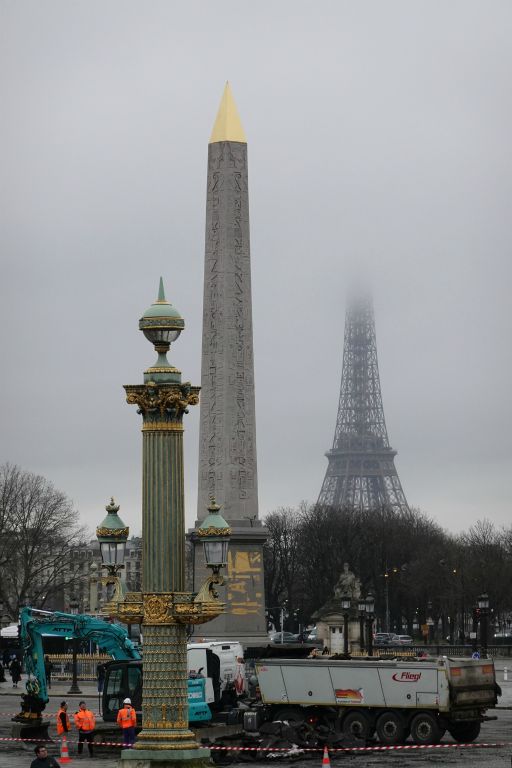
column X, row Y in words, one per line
column 230, row 669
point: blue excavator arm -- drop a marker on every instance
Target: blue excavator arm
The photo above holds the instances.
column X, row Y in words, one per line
column 110, row 638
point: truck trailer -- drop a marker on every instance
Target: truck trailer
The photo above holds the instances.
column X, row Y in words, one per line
column 422, row 698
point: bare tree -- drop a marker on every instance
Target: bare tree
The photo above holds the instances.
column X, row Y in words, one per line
column 281, row 557
column 38, row 530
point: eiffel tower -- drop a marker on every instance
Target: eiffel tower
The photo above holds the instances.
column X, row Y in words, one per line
column 361, row 473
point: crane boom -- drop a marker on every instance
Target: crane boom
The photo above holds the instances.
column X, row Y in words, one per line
column 110, row 638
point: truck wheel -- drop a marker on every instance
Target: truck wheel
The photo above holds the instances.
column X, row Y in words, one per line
column 293, row 715
column 425, row 729
column 356, row 725
column 465, row 733
column 223, row 757
column 390, row 728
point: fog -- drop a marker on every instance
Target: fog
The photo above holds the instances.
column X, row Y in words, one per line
column 379, row 147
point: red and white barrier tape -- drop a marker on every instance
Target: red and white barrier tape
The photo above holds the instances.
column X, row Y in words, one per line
column 7, row 715
column 376, row 748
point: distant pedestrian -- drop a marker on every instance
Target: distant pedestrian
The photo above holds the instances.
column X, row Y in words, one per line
column 127, row 720
column 100, row 674
column 15, row 670
column 85, row 722
column 43, row 760
column 48, row 666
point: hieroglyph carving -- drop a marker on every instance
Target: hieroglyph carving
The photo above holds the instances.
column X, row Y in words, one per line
column 227, row 460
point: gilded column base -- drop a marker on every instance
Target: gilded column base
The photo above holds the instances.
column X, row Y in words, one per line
column 148, row 758
column 155, row 739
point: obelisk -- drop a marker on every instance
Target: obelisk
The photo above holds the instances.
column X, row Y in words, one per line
column 227, row 438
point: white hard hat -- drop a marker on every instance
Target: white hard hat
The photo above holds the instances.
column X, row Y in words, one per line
column 127, row 701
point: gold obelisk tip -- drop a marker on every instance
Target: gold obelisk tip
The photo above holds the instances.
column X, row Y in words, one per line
column 228, row 126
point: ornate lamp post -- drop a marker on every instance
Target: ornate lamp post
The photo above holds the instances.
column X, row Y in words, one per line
column 345, row 607
column 73, row 608
column 112, row 535
column 361, row 607
column 483, row 605
column 430, row 622
column 370, row 609
column 93, row 588
column 163, row 607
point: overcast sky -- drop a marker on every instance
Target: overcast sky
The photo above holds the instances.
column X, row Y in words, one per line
column 379, row 139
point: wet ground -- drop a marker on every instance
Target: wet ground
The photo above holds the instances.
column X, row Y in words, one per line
column 497, row 734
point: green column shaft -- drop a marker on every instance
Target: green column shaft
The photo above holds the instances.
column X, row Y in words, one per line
column 162, row 512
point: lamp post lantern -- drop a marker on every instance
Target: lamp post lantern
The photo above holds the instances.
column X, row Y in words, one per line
column 112, row 535
column 164, row 607
column 370, row 609
column 345, row 607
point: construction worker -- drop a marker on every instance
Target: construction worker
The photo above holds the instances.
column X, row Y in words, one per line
column 85, row 722
column 63, row 722
column 127, row 720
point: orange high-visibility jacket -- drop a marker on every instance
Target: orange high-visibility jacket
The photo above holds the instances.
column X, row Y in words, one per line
column 60, row 726
column 85, row 720
column 127, row 717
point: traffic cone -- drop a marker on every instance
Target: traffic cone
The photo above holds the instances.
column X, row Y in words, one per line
column 64, row 754
column 326, row 763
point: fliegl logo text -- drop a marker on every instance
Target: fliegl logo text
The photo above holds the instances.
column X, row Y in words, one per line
column 406, row 677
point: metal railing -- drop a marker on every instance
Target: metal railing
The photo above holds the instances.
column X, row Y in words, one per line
column 62, row 665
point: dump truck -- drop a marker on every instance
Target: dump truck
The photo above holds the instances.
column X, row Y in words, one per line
column 393, row 698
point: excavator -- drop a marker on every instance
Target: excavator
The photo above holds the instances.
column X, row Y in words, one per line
column 124, row 679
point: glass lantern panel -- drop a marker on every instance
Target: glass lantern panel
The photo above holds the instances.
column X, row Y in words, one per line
column 112, row 553
column 215, row 552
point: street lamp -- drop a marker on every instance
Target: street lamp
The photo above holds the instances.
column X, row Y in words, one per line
column 361, row 607
column 483, row 605
column 430, row 622
column 370, row 610
column 93, row 587
column 73, row 608
column 430, row 625
column 214, row 532
column 345, row 607
column 112, row 535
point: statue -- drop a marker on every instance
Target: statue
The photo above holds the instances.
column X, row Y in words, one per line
column 348, row 584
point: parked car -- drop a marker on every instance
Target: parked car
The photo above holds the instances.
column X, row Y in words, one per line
column 383, row 638
column 401, row 640
column 283, row 637
column 312, row 638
